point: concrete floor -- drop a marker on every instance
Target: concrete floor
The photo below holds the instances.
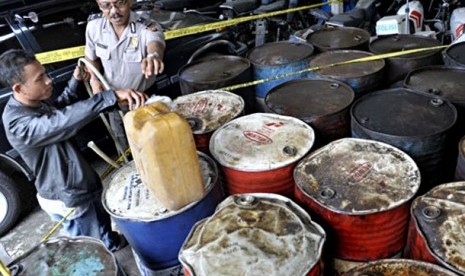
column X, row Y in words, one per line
column 35, row 226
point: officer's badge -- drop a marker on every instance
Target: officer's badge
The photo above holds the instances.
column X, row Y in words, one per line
column 134, row 42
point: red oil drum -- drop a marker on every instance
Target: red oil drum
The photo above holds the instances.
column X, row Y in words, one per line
column 206, row 111
column 258, row 152
column 360, row 190
column 436, row 230
column 323, row 104
column 254, row 234
column 399, row 267
column 67, row 256
column 397, row 68
column 363, row 77
column 339, row 38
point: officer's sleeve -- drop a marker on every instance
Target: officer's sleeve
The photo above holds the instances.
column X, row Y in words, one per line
column 154, row 32
column 89, row 51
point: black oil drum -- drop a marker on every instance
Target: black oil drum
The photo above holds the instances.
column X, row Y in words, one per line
column 339, row 38
column 363, row 77
column 415, row 122
column 210, row 73
column 324, row 104
column 454, row 55
column 397, row 68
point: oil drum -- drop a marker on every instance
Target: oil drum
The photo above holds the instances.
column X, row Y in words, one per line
column 258, row 152
column 277, row 58
column 154, row 233
column 323, row 104
column 415, row 122
column 399, row 267
column 255, row 234
column 363, row 77
column 454, row 55
column 339, row 38
column 460, row 168
column 360, row 190
column 67, row 256
column 397, row 68
column 206, row 111
column 216, row 72
column 436, row 230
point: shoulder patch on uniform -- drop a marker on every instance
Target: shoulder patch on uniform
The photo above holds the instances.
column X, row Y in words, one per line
column 149, row 25
column 94, row 16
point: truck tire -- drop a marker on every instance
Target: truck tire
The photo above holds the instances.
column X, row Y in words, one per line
column 10, row 208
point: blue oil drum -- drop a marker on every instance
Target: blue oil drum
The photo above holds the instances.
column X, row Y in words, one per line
column 275, row 59
column 154, row 233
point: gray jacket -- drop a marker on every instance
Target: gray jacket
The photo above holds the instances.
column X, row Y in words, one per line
column 41, row 135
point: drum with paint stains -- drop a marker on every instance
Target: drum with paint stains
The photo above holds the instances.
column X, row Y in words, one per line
column 436, row 230
column 216, row 72
column 324, row 104
column 154, row 233
column 418, row 123
column 399, row 267
column 339, row 38
column 258, row 152
column 206, row 111
column 359, row 191
column 67, row 256
column 274, row 59
column 363, row 77
column 398, row 67
column 255, row 234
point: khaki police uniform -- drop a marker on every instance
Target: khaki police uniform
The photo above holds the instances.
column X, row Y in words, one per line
column 121, row 59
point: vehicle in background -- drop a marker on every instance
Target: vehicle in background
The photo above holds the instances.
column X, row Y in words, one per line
column 42, row 26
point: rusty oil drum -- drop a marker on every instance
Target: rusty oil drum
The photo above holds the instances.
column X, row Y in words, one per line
column 206, row 111
column 216, row 72
column 255, row 234
column 360, row 190
column 339, row 38
column 323, row 104
column 436, row 230
column 67, row 256
column 454, row 55
column 397, row 68
column 414, row 122
column 399, row 267
column 154, row 233
column 258, row 152
column 277, row 58
column 363, row 77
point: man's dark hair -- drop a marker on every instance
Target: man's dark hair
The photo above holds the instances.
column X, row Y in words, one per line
column 12, row 64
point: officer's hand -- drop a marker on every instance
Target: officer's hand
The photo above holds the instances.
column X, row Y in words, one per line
column 152, row 66
column 134, row 99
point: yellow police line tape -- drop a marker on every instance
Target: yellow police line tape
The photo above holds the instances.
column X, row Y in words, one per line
column 78, row 51
column 311, row 69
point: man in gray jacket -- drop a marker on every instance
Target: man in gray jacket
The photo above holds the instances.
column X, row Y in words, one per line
column 40, row 129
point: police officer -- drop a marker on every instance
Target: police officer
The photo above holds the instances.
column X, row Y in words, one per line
column 128, row 48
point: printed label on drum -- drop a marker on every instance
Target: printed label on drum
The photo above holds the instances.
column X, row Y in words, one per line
column 261, row 141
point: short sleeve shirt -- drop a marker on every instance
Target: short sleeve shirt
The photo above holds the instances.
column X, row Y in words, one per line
column 121, row 59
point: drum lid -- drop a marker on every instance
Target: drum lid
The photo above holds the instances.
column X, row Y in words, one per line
column 254, row 234
column 441, row 81
column 261, row 142
column 352, row 70
column 456, row 52
column 338, row 38
column 214, row 69
column 404, row 112
column 397, row 43
column 358, row 176
column 280, row 53
column 309, row 99
column 208, row 110
column 126, row 197
column 439, row 215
